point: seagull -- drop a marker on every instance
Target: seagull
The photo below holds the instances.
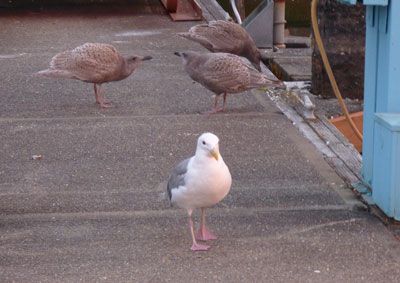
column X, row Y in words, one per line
column 224, row 73
column 200, row 182
column 227, row 37
column 95, row 63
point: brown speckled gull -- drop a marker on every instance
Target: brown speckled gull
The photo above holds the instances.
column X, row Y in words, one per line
column 95, row 63
column 228, row 37
column 224, row 73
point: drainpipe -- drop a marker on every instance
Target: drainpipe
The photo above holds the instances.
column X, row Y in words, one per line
column 241, row 8
column 236, row 12
column 279, row 23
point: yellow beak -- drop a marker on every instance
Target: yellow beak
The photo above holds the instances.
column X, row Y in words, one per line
column 215, row 153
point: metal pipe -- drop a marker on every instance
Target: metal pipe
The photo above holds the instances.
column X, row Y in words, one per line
column 279, row 23
column 236, row 12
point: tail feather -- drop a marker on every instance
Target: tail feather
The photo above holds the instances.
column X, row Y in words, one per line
column 185, row 34
column 199, row 39
column 54, row 74
column 264, row 81
column 63, row 61
column 277, row 84
column 273, row 82
column 192, row 36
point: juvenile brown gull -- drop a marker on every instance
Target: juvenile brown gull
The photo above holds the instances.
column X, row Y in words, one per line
column 224, row 73
column 227, row 37
column 95, row 63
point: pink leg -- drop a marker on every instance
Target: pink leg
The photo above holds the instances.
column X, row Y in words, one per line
column 204, row 234
column 223, row 106
column 195, row 245
column 215, row 108
column 99, row 98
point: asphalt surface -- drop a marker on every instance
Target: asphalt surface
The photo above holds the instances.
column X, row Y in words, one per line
column 94, row 209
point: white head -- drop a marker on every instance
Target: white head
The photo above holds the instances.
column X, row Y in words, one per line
column 207, row 145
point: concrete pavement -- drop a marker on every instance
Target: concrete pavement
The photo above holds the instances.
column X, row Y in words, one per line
column 93, row 209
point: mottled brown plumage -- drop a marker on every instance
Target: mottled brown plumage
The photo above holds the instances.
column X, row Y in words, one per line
column 228, row 37
column 224, row 73
column 95, row 63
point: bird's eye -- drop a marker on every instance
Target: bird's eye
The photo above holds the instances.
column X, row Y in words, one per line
column 204, row 142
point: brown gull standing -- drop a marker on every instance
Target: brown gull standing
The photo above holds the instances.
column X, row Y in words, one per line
column 95, row 63
column 224, row 73
column 228, row 37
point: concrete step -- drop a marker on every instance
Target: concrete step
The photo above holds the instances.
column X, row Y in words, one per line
column 301, row 245
column 289, row 64
column 277, row 197
column 117, row 163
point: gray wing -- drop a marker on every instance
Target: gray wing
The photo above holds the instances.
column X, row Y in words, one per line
column 177, row 177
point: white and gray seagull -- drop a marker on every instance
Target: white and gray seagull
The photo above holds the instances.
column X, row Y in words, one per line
column 200, row 182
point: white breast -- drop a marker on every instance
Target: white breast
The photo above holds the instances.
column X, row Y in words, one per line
column 206, row 184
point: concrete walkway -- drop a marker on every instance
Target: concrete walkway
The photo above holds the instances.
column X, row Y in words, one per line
column 290, row 64
column 93, row 208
